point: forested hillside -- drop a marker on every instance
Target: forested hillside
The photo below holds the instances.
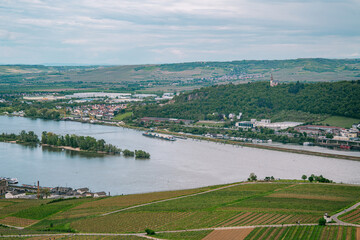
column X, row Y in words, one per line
column 260, row 100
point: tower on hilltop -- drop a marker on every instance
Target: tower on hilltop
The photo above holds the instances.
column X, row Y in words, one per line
column 273, row 82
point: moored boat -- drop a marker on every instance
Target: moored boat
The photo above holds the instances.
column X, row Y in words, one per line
column 10, row 180
column 159, row 135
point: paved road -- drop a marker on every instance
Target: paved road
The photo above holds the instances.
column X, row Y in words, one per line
column 338, row 221
column 150, row 237
column 175, row 231
column 10, row 226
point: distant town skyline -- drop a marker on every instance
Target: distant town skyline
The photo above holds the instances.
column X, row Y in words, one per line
column 119, row 32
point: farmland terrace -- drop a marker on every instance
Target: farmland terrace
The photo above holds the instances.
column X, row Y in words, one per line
column 249, row 210
column 172, row 77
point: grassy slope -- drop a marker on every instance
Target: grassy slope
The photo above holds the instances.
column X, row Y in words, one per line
column 122, row 116
column 250, row 204
column 339, row 121
column 242, row 205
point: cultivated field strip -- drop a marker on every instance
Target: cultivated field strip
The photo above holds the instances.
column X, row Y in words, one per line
column 214, row 208
column 352, row 217
column 252, row 218
column 305, row 233
column 16, row 221
column 238, row 234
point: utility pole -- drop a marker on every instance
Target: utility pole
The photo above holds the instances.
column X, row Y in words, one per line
column 38, row 190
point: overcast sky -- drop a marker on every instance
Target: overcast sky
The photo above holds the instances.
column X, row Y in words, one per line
column 164, row 31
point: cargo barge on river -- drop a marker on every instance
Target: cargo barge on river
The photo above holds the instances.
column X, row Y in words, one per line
column 159, row 135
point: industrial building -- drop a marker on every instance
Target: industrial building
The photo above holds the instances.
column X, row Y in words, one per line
column 266, row 123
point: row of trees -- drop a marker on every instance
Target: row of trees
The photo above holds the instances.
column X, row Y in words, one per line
column 84, row 143
column 88, row 144
column 42, row 113
column 23, row 137
column 138, row 154
column 314, row 178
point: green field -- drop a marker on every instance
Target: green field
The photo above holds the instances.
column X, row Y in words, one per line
column 251, row 204
column 40, row 212
column 338, row 121
column 171, row 77
column 285, row 233
column 235, row 205
column 304, row 232
column 122, row 116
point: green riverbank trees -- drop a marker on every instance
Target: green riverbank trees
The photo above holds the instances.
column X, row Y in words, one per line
column 84, row 143
column 23, row 137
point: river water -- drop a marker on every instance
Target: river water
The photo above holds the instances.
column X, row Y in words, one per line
column 173, row 165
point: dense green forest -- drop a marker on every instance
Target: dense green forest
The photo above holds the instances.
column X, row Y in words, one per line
column 259, row 100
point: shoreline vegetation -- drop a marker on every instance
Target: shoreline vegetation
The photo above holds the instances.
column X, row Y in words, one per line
column 72, row 143
column 242, row 144
column 267, row 147
column 245, row 144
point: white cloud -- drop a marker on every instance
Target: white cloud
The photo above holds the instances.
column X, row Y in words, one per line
column 178, row 30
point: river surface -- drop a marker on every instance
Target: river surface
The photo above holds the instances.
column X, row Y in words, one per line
column 173, row 165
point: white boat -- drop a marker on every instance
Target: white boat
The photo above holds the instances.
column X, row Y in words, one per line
column 10, row 180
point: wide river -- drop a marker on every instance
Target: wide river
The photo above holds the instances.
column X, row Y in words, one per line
column 173, row 165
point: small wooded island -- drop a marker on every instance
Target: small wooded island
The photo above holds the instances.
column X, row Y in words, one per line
column 71, row 142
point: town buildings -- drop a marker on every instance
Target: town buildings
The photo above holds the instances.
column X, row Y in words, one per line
column 159, row 120
column 97, row 111
column 3, row 187
column 30, row 192
column 266, row 123
column 312, row 130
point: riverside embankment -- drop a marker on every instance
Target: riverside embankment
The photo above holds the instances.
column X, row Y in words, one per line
column 173, row 165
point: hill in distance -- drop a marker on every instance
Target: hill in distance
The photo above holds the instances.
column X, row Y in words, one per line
column 259, row 100
column 175, row 77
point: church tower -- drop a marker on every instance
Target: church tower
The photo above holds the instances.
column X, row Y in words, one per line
column 272, row 82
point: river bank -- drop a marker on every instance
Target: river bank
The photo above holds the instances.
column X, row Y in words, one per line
column 231, row 142
column 252, row 145
column 281, row 149
column 74, row 149
column 174, row 164
column 60, row 147
column 224, row 141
